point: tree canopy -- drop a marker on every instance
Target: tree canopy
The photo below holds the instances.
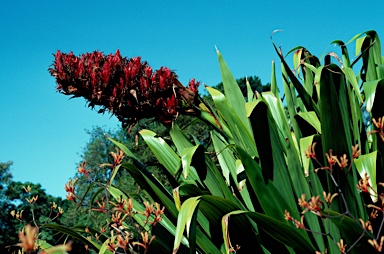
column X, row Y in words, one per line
column 254, row 82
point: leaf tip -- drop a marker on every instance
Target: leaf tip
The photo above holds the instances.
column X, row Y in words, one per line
column 276, row 31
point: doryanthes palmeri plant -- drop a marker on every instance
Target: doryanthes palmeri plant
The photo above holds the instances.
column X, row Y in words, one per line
column 277, row 182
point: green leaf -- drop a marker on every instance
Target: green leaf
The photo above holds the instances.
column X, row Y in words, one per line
column 138, row 207
column 261, row 132
column 297, row 59
column 274, row 88
column 232, row 91
column 250, row 94
column 114, row 172
column 366, row 165
column 163, row 152
column 332, row 125
column 307, row 100
column 49, row 249
column 69, row 231
column 216, row 122
column 274, row 203
column 370, row 92
column 352, row 79
column 312, row 119
column 359, row 44
column 276, row 230
column 345, row 56
column 241, row 133
column 225, row 158
column 214, row 208
column 155, row 189
column 184, row 220
column 179, row 139
column 304, row 144
column 186, row 159
column 310, row 67
column 123, row 148
column 104, row 246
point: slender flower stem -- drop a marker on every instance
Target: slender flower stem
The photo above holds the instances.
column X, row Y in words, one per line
column 33, row 217
column 381, row 226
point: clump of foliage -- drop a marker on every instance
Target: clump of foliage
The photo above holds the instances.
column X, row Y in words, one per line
column 303, row 182
column 26, row 208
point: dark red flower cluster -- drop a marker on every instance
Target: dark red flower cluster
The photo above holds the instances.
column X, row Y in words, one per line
column 128, row 88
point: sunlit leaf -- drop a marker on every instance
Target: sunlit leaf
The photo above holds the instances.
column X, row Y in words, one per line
column 312, row 119
column 69, row 231
column 275, row 229
column 352, row 79
column 370, row 93
column 186, row 159
column 241, row 133
column 123, row 148
column 163, row 152
column 305, row 143
column 184, row 219
column 366, row 166
column 232, row 90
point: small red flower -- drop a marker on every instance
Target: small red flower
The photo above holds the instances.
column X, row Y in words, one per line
column 310, row 153
column 193, row 85
column 105, row 74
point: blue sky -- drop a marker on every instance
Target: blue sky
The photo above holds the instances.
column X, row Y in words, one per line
column 43, row 132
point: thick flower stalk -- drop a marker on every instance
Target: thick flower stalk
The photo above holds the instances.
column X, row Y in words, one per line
column 127, row 88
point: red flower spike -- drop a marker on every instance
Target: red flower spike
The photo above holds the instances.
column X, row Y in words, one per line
column 79, row 69
column 127, row 74
column 59, row 66
column 106, row 72
column 161, row 82
column 148, row 71
column 144, row 86
column 135, row 66
column 171, row 102
column 128, row 88
column 116, row 59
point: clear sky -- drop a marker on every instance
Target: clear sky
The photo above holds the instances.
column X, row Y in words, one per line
column 43, row 132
